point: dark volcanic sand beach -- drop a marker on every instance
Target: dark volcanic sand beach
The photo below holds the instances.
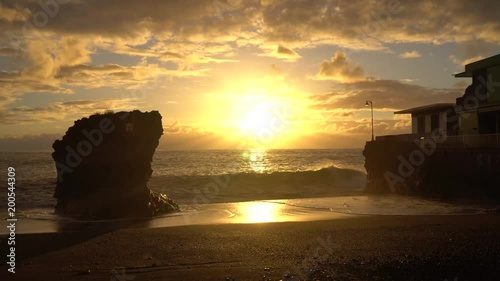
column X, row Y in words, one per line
column 356, row 248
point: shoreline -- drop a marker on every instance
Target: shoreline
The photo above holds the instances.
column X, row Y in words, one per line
column 354, row 248
column 282, row 210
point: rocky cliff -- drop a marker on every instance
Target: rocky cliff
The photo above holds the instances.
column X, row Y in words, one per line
column 432, row 170
column 103, row 165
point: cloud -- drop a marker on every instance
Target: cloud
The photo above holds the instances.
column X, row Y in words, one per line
column 197, row 32
column 177, row 128
column 46, row 79
column 41, row 142
column 473, row 50
column 61, row 111
column 340, row 69
column 14, row 85
column 461, row 84
column 463, row 62
column 178, row 141
column 185, row 54
column 275, row 72
column 119, row 76
column 408, row 80
column 43, row 59
column 6, row 100
column 363, row 127
column 13, row 14
column 7, row 51
column 58, row 55
column 360, row 25
column 286, row 53
column 93, row 44
column 410, row 55
column 352, row 24
column 280, row 52
column 390, row 95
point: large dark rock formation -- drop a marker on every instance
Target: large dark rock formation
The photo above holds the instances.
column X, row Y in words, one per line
column 103, row 166
column 432, row 170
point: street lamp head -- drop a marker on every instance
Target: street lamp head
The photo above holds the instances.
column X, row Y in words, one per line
column 368, row 103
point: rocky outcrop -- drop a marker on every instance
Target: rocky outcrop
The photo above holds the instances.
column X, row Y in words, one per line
column 103, row 165
column 432, row 170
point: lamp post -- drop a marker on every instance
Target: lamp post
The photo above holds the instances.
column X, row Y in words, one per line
column 370, row 103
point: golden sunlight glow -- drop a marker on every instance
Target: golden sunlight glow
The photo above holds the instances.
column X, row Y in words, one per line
column 255, row 212
column 257, row 112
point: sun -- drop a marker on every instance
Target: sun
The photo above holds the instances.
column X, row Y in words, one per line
column 262, row 118
column 257, row 113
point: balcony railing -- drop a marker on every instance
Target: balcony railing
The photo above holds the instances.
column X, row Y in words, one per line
column 457, row 141
column 473, row 141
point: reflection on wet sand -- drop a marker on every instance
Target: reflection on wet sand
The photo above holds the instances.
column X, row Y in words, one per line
column 305, row 209
column 255, row 212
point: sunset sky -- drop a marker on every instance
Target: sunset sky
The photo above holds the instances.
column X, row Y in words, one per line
column 235, row 74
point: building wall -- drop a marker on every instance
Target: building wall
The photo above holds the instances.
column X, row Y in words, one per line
column 442, row 122
column 428, row 127
column 427, row 123
column 468, row 123
column 463, row 172
column 494, row 87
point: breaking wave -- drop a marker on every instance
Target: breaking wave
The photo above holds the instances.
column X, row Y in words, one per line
column 330, row 181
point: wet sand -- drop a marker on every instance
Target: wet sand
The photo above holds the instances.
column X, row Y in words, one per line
column 461, row 247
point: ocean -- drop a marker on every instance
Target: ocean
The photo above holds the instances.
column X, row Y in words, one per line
column 178, row 173
column 211, row 186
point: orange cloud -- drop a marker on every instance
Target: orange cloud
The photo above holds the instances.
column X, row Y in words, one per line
column 341, row 69
column 410, row 55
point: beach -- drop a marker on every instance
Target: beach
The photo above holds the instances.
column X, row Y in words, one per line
column 270, row 140
column 303, row 217
column 443, row 247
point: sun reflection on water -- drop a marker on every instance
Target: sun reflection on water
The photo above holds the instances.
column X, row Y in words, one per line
column 256, row 158
column 255, row 212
